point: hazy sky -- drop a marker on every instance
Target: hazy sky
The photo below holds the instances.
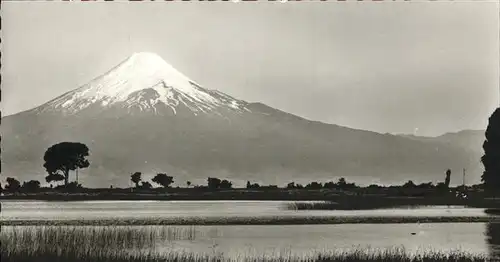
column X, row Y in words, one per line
column 391, row 67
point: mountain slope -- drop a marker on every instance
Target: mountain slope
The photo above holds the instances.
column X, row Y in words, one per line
column 143, row 115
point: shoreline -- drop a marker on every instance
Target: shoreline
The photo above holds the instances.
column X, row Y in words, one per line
column 221, row 221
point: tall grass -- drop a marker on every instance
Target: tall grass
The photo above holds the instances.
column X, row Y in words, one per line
column 139, row 244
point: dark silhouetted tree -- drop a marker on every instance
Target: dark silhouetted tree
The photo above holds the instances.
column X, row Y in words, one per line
column 65, row 157
column 163, row 180
column 447, row 179
column 146, row 185
column 213, row 182
column 55, row 177
column 1, row 188
column 13, row 185
column 226, row 184
column 254, row 185
column 136, row 178
column 409, row 184
column 290, row 185
column 493, row 239
column 314, row 185
column 31, row 186
column 188, row 183
column 342, row 182
column 330, row 185
column 491, row 157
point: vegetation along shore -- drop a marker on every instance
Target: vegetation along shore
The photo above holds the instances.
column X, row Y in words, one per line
column 113, row 244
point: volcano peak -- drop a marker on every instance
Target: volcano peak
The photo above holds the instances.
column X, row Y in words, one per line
column 143, row 71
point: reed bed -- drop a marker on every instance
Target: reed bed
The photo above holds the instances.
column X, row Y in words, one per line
column 120, row 244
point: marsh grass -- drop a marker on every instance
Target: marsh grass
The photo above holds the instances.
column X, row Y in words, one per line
column 138, row 244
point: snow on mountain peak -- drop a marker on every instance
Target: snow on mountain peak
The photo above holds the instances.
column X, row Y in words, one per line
column 127, row 85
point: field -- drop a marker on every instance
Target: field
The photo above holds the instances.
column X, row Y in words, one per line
column 120, row 244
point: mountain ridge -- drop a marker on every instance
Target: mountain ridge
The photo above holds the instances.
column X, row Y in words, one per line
column 228, row 137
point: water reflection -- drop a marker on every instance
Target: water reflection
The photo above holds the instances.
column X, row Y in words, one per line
column 493, row 239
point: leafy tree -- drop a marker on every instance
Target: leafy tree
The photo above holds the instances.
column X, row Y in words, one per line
column 409, row 184
column 136, row 178
column 31, row 186
column 290, row 185
column 342, row 182
column 314, row 185
column 163, row 180
column 55, row 177
column 146, row 185
column 330, row 185
column 255, row 185
column 188, row 183
column 65, row 157
column 447, row 179
column 226, row 184
column 213, row 182
column 13, row 185
column 491, row 157
column 299, row 186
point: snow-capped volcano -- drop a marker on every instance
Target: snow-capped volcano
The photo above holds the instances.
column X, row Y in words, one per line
column 144, row 81
column 143, row 115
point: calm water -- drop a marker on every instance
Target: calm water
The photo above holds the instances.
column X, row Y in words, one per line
column 302, row 240
column 233, row 241
column 12, row 210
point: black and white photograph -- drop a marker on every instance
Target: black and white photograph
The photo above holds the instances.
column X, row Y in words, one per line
column 273, row 131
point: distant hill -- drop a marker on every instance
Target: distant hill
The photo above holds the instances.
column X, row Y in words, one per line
column 143, row 115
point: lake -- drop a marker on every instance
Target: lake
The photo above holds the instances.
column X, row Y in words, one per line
column 233, row 241
column 25, row 210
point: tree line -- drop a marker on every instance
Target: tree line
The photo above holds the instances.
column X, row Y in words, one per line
column 65, row 157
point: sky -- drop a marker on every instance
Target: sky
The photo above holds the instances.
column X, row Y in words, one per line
column 423, row 68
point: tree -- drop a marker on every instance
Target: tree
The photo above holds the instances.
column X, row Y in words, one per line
column 290, row 185
column 136, row 178
column 31, row 186
column 65, row 157
column 491, row 157
column 226, row 184
column 146, row 185
column 342, row 182
column 188, row 183
column 330, row 184
column 163, row 180
column 54, row 178
column 254, row 185
column 409, row 184
column 447, row 179
column 314, row 185
column 13, row 185
column 213, row 182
